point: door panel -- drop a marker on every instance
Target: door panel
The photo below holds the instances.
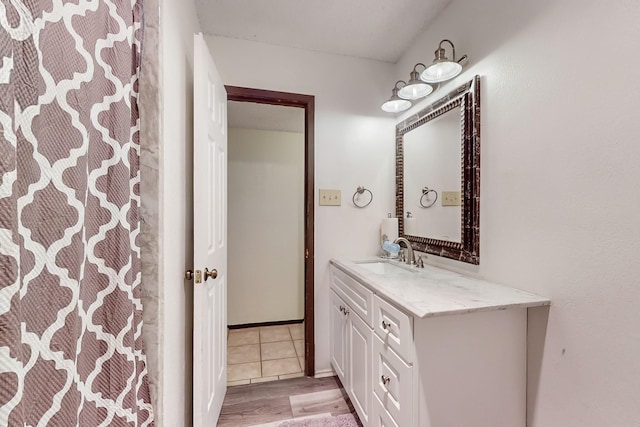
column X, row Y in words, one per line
column 209, row 240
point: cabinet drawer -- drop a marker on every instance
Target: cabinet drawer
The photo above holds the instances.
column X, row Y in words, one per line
column 392, row 383
column 394, row 327
column 380, row 417
column 359, row 298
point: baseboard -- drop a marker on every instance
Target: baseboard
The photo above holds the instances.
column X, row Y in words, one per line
column 276, row 323
column 325, row 373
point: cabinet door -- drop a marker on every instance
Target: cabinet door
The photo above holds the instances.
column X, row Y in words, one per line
column 360, row 342
column 338, row 347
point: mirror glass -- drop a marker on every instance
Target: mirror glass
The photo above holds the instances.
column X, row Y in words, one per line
column 438, row 176
column 432, row 158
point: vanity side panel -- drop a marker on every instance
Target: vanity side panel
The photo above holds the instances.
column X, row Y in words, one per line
column 472, row 369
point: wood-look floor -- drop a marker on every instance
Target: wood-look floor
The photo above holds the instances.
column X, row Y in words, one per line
column 277, row 401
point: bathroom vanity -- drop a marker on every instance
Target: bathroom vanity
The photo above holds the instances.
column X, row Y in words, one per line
column 429, row 347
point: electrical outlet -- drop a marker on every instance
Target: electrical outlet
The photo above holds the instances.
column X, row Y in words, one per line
column 451, row 198
column 330, row 198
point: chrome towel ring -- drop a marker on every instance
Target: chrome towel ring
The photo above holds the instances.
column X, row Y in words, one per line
column 356, row 196
column 424, row 199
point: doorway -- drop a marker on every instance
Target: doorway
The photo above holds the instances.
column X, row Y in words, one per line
column 306, row 103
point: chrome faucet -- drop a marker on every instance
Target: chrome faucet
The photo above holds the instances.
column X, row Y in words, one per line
column 410, row 258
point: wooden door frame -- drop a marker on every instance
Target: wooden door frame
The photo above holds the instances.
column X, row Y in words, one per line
column 287, row 99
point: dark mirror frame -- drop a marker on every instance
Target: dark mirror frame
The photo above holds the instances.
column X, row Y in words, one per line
column 467, row 99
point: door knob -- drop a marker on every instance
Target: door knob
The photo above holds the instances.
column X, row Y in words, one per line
column 210, row 273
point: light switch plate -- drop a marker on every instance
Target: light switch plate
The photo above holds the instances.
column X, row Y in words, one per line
column 330, row 198
column 451, row 198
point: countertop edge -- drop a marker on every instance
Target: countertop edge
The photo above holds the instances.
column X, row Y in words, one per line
column 537, row 301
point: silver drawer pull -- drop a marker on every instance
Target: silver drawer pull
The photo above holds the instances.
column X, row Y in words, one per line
column 385, row 379
column 385, row 325
column 342, row 309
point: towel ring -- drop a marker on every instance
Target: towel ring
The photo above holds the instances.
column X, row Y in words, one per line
column 425, row 193
column 360, row 190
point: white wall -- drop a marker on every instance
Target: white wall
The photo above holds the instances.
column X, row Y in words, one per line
column 560, row 164
column 266, row 226
column 178, row 24
column 354, row 145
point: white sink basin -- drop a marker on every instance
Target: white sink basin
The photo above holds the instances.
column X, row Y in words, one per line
column 385, row 267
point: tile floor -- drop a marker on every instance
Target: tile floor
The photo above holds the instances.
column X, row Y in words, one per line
column 266, row 353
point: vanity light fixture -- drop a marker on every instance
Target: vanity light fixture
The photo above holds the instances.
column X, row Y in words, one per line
column 443, row 68
column 415, row 88
column 395, row 104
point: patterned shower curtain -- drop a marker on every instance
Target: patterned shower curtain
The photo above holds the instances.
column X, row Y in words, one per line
column 71, row 351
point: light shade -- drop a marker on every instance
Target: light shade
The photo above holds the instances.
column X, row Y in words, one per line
column 443, row 68
column 441, row 71
column 395, row 104
column 415, row 88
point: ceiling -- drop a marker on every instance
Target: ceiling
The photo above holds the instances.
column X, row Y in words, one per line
column 249, row 115
column 374, row 29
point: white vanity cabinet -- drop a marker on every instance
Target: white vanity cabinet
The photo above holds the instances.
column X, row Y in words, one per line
column 352, row 340
column 430, row 348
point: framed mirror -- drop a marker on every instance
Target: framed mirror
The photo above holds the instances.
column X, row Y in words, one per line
column 438, row 176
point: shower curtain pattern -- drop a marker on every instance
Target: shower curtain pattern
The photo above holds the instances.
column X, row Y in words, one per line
column 71, row 350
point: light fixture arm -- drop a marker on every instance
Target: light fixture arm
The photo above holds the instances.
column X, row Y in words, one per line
column 463, row 59
column 453, row 48
column 415, row 67
column 400, row 81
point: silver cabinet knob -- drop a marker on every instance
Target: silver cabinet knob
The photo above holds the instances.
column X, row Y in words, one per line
column 385, row 325
column 385, row 379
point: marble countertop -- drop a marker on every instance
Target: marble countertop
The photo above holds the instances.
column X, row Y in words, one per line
column 433, row 291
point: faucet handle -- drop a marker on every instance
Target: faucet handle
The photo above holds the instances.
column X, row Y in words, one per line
column 402, row 256
column 420, row 262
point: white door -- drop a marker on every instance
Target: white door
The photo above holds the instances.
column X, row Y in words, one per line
column 209, row 238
